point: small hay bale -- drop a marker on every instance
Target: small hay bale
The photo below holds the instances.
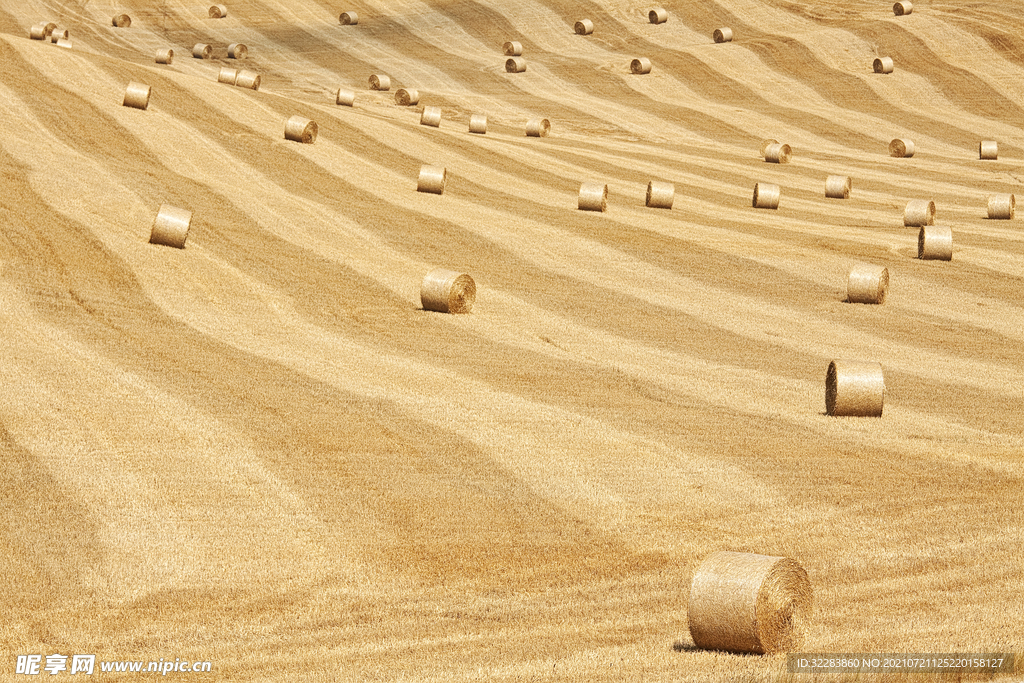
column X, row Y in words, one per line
column 641, row 65
column 538, row 128
column 515, row 65
column 406, row 97
column 121, row 21
column 903, row 8
column 218, row 11
column 165, row 56
column 901, row 148
column 478, row 124
column 584, row 27
column 37, row 32
column 722, row 35
column 593, row 197
column 238, row 51
column 854, row 389
column 432, row 179
column 227, row 75
column 345, row 97
column 348, row 18
column 882, row 65
column 171, row 226
column 778, row 153
column 988, row 149
column 867, row 284
column 248, row 79
column 136, row 95
column 935, row 243
column 743, row 602
column 446, row 291
column 380, row 82
column 658, row 15
column 1001, row 206
column 660, row 195
column 512, row 48
column 919, row 212
column 64, row 42
column 202, row 51
column 838, row 186
column 766, row 196
column 58, row 34
column 300, row 129
column 431, row 116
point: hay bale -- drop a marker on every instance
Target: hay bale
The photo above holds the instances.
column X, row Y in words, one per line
column 658, row 15
column 37, row 32
column 58, row 34
column 765, row 145
column 919, row 212
column 121, row 21
column 515, row 65
column 988, row 149
column 406, row 97
column 593, row 197
column 722, row 35
column 432, row 179
column 660, row 195
column 901, row 148
column 49, row 28
column 882, row 65
column 867, row 284
column 202, row 51
column 902, row 8
column 248, row 79
column 165, row 56
column 641, row 65
column 380, row 82
column 345, row 97
column 171, row 226
column 227, row 75
column 218, row 11
column 136, row 95
column 1001, row 206
column 446, row 291
column 348, row 18
column 778, row 153
column 854, row 389
column 431, row 116
column 300, row 129
column 838, row 186
column 512, row 48
column 64, row 42
column 743, row 602
column 766, row 196
column 478, row 124
column 935, row 243
column 238, row 51
column 538, row 128
column 584, row 27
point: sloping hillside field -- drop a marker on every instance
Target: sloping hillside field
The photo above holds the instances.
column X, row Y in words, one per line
column 261, row 452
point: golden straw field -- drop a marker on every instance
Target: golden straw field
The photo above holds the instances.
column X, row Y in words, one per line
column 262, row 452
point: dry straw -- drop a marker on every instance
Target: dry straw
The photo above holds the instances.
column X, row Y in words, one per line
column 658, row 15
column 348, row 18
column 512, row 48
column 854, row 389
column 838, row 186
column 202, row 51
column 121, row 21
column 431, row 116
column 345, row 97
column 868, row 284
column 446, row 291
column 478, row 124
column 406, row 97
column 988, row 149
column 742, row 602
column 584, row 27
column 171, row 226
column 1001, row 206
column 432, row 179
column 722, row 35
column 63, row 42
column 641, row 65
column 58, row 34
column 901, row 148
column 300, row 129
column 766, row 196
column 883, row 65
column 593, row 197
column 227, row 75
column 935, row 243
column 165, row 56
column 538, row 128
column 919, row 212
column 778, row 153
column 660, row 195
column 380, row 82
column 238, row 51
column 37, row 32
column 515, row 65
column 136, row 95
column 218, row 11
column 903, row 7
column 248, row 79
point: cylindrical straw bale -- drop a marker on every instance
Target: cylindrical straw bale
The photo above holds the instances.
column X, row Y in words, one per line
column 348, row 18
column 136, row 95
column 988, row 149
column 515, row 65
column 478, row 124
column 218, row 11
column 238, row 51
column 584, row 27
column 641, row 65
column 538, row 128
column 660, row 195
column 868, row 284
column 431, row 116
column 778, row 153
column 919, row 212
column 854, row 389
column 300, row 129
column 227, row 75
column 901, row 148
column 742, row 602
column 593, row 197
column 406, row 97
column 903, row 7
column 766, row 196
column 37, row 32
column 165, row 56
column 722, row 35
column 765, row 145
column 838, row 187
column 58, row 34
column 248, row 79
column 1001, row 206
column 50, row 28
column 432, row 179
column 345, row 97
column 202, row 51
column 446, row 291
column 512, row 48
column 63, row 42
column 658, row 15
column 380, row 82
column 935, row 243
column 883, row 65
column 171, row 226
column 122, row 21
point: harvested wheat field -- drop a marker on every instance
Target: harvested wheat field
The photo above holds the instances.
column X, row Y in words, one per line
column 259, row 450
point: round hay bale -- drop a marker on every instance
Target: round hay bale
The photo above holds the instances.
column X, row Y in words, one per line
column 432, row 179
column 722, row 35
column 218, row 11
column 742, row 602
column 248, row 79
column 165, row 56
column 227, row 75
column 202, row 51
column 122, row 21
column 50, row 28
column 1001, row 206
column 584, row 27
column 446, row 291
column 919, row 212
column 854, row 389
column 660, row 195
column 658, row 15
column 641, row 65
column 988, row 149
column 171, row 226
column 778, row 153
column 238, row 51
column 935, row 243
column 901, row 148
column 593, row 197
column 883, row 65
column 64, row 42
column 838, row 187
column 406, row 97
column 380, row 82
column 348, row 18
column 37, row 32
column 58, row 34
column 478, row 124
column 515, row 65
column 300, row 129
column 345, row 97
column 765, row 145
column 512, row 48
column 766, row 196
column 538, row 128
column 136, row 95
column 902, row 8
column 431, row 116
column 867, row 284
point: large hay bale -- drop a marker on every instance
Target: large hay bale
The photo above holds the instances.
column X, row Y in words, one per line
column 348, row 18
column 345, row 97
column 512, row 48
column 515, row 65
column 867, row 284
column 901, row 148
column 136, row 95
column 446, row 291
column 432, row 179
column 63, row 42
column 248, row 79
column 165, row 56
column 593, row 197
column 657, row 15
column 660, row 195
column 988, row 149
column 50, row 27
column 37, row 32
column 778, row 153
column 935, row 243
column 538, row 128
column 838, row 187
column 478, row 124
column 58, row 34
column 406, row 97
column 766, row 196
column 431, row 116
column 854, row 389
column 218, row 11
column 171, row 226
column 883, row 65
column 902, row 8
column 641, row 65
column 743, row 602
column 722, row 35
column 766, row 144
column 202, row 51
column 227, row 75
column 300, row 129
column 584, row 27
column 238, row 51
column 380, row 82
column 121, row 21
column 1001, row 206
column 919, row 212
